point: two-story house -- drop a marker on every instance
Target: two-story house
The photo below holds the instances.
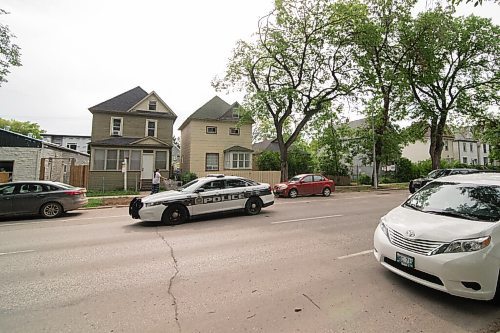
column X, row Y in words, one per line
column 213, row 140
column 135, row 127
column 76, row 142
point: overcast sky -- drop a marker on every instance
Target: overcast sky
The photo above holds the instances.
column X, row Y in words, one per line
column 78, row 53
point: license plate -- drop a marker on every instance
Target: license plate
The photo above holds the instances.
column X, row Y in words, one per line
column 405, row 260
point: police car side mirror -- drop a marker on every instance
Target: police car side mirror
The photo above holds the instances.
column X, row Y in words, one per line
column 199, row 190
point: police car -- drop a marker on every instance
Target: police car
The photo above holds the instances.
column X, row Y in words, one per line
column 211, row 194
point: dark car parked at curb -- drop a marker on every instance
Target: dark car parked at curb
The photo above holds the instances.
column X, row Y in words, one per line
column 418, row 183
column 46, row 198
column 306, row 184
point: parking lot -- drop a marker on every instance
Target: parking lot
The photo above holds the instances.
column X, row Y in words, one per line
column 302, row 265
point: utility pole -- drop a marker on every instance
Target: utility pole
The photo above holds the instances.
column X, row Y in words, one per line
column 375, row 173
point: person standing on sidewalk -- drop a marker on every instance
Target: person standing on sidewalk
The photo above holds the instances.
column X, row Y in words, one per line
column 155, row 186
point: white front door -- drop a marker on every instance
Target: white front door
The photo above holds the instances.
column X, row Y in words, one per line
column 147, row 166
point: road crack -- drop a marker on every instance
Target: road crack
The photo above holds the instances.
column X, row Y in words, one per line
column 310, row 300
column 171, row 280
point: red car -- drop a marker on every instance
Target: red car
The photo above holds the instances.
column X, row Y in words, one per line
column 306, row 184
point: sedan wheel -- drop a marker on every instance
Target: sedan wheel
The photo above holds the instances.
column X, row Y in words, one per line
column 253, row 206
column 175, row 214
column 293, row 193
column 326, row 192
column 51, row 210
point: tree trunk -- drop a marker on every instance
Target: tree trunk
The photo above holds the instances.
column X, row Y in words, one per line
column 380, row 132
column 437, row 144
column 283, row 161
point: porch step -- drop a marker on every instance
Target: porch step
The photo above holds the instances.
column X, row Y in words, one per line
column 146, row 184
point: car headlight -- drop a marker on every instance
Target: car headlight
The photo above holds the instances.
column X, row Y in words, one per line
column 150, row 204
column 282, row 187
column 384, row 228
column 464, row 245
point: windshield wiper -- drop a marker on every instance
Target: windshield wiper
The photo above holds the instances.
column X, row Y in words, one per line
column 453, row 214
column 411, row 206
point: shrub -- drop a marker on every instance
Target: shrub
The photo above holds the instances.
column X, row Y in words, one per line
column 188, row 176
column 364, row 179
column 269, row 160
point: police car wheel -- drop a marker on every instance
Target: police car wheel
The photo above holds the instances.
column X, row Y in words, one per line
column 293, row 193
column 173, row 215
column 253, row 206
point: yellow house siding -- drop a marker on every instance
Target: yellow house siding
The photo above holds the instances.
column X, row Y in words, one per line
column 202, row 143
column 185, row 148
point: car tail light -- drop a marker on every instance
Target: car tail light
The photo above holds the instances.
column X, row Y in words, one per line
column 74, row 192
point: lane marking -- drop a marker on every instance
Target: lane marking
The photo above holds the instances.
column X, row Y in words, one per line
column 319, row 200
column 65, row 220
column 15, row 252
column 306, row 219
column 356, row 254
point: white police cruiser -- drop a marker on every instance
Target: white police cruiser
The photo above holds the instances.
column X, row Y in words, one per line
column 211, row 194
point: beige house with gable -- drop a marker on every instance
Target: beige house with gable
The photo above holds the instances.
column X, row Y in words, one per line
column 135, row 127
column 214, row 141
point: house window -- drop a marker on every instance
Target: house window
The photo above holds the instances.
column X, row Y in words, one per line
column 485, row 160
column 465, row 146
column 123, row 154
column 484, row 148
column 212, row 162
column 152, row 106
column 464, row 160
column 471, row 147
column 446, row 145
column 211, row 129
column 237, row 160
column 161, row 160
column 234, row 131
column 98, row 159
column 151, row 127
column 71, row 146
column 236, row 114
column 116, row 126
column 135, row 160
column 111, row 159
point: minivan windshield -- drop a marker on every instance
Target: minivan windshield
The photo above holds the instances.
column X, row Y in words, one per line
column 467, row 201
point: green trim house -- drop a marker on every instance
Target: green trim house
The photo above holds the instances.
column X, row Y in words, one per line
column 135, row 127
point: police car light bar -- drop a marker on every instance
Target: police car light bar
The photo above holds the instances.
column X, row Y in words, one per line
column 217, row 175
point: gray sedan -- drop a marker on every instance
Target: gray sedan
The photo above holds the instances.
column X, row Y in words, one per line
column 49, row 199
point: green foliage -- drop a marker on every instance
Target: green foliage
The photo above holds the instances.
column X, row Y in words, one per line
column 488, row 129
column 9, row 52
column 94, row 203
column 296, row 66
column 364, row 179
column 22, row 127
column 452, row 69
column 268, row 161
column 188, row 176
column 405, row 171
column 299, row 161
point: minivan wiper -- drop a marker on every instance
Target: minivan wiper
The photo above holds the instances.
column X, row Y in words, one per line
column 411, row 206
column 452, row 213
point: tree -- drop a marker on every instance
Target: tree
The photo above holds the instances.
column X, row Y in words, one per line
column 488, row 129
column 22, row 127
column 382, row 59
column 453, row 70
column 9, row 52
column 298, row 64
column 268, row 160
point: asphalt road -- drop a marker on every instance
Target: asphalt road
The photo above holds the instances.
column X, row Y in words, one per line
column 302, row 265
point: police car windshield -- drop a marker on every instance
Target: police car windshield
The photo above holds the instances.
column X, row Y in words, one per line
column 189, row 187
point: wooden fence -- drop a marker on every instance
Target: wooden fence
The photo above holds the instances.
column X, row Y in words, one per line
column 270, row 177
column 79, row 175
